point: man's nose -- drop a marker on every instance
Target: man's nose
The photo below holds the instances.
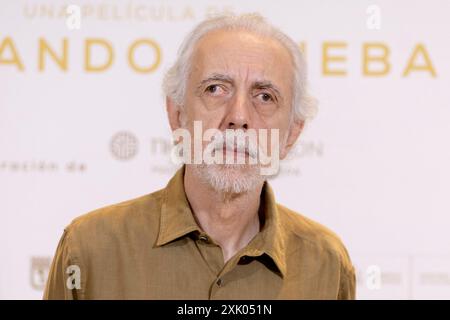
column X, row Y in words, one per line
column 238, row 116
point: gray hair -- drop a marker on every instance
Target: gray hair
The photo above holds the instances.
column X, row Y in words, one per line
column 175, row 80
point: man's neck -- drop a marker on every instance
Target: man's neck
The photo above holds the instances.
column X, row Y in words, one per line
column 231, row 220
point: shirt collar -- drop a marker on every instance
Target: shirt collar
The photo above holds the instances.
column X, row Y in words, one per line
column 177, row 220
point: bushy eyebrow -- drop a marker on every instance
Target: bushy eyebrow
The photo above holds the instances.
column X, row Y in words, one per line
column 261, row 84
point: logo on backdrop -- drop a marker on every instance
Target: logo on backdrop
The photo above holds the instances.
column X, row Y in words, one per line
column 124, row 145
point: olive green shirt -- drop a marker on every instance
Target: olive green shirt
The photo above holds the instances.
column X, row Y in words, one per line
column 152, row 248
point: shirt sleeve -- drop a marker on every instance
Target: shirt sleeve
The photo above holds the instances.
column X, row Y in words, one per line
column 62, row 282
column 347, row 285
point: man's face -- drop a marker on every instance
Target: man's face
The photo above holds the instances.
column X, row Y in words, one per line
column 239, row 80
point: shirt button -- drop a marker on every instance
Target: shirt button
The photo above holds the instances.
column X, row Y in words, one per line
column 203, row 238
column 219, row 282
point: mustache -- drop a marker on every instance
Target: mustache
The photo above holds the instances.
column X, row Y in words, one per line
column 238, row 142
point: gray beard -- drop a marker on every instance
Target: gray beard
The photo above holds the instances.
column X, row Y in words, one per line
column 233, row 178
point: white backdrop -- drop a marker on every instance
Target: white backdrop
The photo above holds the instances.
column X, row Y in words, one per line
column 373, row 165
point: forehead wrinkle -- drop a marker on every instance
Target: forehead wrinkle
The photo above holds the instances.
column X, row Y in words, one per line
column 241, row 65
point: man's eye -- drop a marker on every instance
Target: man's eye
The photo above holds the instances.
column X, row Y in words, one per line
column 265, row 97
column 214, row 89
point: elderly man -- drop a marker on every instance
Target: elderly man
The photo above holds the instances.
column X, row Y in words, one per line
column 215, row 231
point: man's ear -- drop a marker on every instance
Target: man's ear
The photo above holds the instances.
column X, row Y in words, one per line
column 295, row 129
column 174, row 114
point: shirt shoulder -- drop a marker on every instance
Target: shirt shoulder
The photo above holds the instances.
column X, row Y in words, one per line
column 112, row 223
column 91, row 242
column 317, row 236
